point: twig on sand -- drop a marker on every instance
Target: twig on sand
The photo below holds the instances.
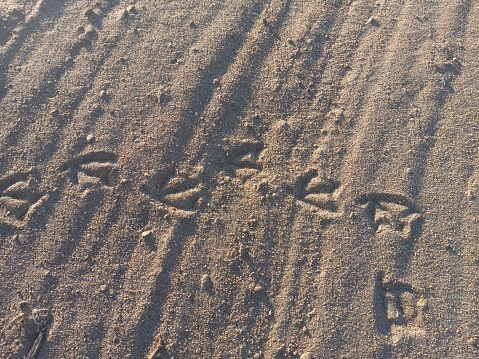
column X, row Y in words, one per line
column 37, row 345
column 41, row 323
column 157, row 352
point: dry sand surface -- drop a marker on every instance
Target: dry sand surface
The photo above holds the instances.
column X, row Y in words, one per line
column 239, row 179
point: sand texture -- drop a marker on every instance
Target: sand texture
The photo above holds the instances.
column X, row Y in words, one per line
column 239, row 179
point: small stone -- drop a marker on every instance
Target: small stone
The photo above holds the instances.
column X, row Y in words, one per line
column 242, row 250
column 257, row 356
column 258, row 289
column 103, row 288
column 167, row 217
column 146, row 234
column 206, row 282
column 103, row 94
column 216, row 81
column 41, row 316
column 306, row 355
column 90, row 138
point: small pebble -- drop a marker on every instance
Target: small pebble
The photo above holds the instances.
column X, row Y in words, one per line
column 103, row 288
column 146, row 234
column 258, row 289
column 41, row 315
column 306, row 355
column 90, row 138
column 242, row 250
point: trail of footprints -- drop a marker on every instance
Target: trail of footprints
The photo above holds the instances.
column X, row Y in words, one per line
column 396, row 303
column 19, row 194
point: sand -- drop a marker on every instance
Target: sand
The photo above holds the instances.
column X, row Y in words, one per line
column 239, row 179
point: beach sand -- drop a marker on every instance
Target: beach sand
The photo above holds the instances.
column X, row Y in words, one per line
column 239, row 179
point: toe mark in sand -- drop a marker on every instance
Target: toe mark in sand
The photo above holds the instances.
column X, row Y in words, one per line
column 19, row 197
column 320, row 192
column 245, row 155
column 176, row 191
column 93, row 168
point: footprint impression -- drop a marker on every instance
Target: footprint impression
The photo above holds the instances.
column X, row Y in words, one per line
column 389, row 212
column 398, row 307
column 320, row 192
column 19, row 197
column 243, row 156
column 92, row 169
column 179, row 191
